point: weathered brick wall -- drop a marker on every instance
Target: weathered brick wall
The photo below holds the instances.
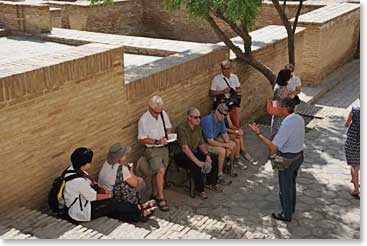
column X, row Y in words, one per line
column 178, row 25
column 123, row 16
column 25, row 17
column 269, row 16
column 74, row 98
column 331, row 39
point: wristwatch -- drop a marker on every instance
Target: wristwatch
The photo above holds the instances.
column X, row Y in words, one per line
column 156, row 141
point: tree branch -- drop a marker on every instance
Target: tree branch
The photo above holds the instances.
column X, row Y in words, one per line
column 297, row 15
column 242, row 32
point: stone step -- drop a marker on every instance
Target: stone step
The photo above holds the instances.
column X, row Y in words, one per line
column 12, row 233
column 3, row 32
column 312, row 94
column 154, row 228
column 43, row 226
column 204, row 224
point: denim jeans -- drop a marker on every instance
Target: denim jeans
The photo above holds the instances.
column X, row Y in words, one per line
column 287, row 185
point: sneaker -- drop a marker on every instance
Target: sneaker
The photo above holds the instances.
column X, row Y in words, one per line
column 223, row 181
column 215, row 188
column 249, row 158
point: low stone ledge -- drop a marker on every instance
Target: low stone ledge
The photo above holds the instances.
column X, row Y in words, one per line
column 131, row 44
column 26, row 78
column 326, row 14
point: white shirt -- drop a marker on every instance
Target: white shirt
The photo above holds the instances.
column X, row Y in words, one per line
column 218, row 83
column 293, row 83
column 79, row 188
column 107, row 175
column 150, row 127
column 291, row 134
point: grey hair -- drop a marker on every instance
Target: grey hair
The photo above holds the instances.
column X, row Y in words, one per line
column 192, row 110
column 225, row 62
column 155, row 102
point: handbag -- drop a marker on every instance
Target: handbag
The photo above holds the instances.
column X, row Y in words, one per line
column 122, row 191
column 273, row 107
column 235, row 98
column 280, row 163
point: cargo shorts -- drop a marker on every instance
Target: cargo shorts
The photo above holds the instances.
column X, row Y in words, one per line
column 157, row 158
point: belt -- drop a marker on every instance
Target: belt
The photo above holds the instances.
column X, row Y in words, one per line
column 155, row 147
column 290, row 155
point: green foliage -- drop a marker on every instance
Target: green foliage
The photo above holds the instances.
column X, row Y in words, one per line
column 233, row 10
column 93, row 2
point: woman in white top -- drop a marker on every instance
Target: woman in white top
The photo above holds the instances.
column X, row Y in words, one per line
column 119, row 178
column 294, row 85
column 87, row 200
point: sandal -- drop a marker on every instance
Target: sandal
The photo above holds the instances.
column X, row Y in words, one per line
column 163, row 207
column 146, row 213
column 148, row 204
column 203, row 195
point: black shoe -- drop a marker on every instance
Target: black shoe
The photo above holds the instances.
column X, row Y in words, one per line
column 279, row 217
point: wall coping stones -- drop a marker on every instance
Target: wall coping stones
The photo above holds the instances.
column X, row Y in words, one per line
column 328, row 13
column 166, row 63
column 46, row 60
column 132, row 44
column 263, row 37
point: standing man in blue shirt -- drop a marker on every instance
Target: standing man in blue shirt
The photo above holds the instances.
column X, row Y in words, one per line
column 287, row 143
column 216, row 136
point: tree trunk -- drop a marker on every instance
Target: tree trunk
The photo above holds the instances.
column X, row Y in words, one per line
column 287, row 25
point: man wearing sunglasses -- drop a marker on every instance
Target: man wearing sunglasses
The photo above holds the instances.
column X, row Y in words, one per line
column 217, row 139
column 222, row 85
column 151, row 134
column 194, row 154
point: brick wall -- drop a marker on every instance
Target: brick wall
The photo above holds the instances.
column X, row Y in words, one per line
column 268, row 15
column 331, row 39
column 25, row 17
column 123, row 16
column 75, row 98
column 178, row 25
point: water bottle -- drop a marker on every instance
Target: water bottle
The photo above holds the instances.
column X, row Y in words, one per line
column 61, row 204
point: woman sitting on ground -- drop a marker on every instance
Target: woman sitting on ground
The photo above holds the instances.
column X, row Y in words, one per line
column 119, row 178
column 87, row 200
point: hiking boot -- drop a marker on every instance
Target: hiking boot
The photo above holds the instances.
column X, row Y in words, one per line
column 249, row 158
column 223, row 181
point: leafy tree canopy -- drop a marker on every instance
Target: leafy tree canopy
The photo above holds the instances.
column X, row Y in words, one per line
column 234, row 10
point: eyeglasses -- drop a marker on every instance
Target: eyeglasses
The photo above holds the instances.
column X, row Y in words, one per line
column 196, row 117
column 226, row 68
column 222, row 113
column 155, row 112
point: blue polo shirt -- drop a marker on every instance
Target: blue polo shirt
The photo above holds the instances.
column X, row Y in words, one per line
column 291, row 134
column 212, row 128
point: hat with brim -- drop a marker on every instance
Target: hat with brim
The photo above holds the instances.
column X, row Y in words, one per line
column 116, row 152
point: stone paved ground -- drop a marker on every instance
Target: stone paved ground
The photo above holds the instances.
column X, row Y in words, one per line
column 325, row 208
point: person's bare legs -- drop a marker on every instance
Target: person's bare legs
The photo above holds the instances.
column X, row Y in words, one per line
column 355, row 178
column 237, row 151
column 154, row 186
column 160, row 183
column 221, row 158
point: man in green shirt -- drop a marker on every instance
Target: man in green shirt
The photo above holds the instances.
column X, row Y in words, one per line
column 194, row 154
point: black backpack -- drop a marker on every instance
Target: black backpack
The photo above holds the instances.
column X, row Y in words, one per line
column 56, row 200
